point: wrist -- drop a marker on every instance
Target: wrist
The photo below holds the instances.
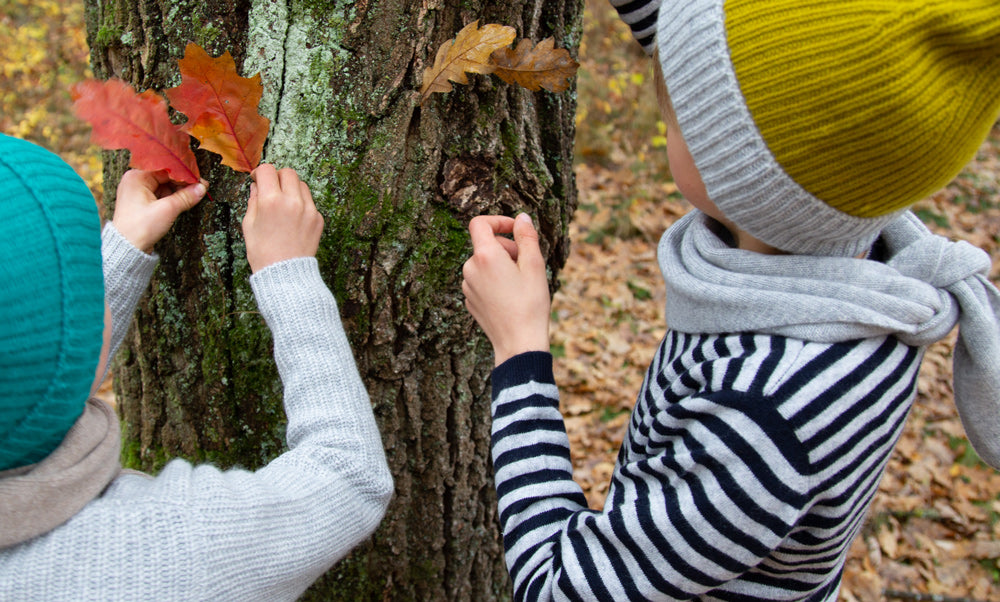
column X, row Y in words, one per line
column 502, row 353
column 137, row 239
column 130, row 239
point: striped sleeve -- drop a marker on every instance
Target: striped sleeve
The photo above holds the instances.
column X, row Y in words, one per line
column 677, row 524
column 536, row 493
column 640, row 16
column 746, row 472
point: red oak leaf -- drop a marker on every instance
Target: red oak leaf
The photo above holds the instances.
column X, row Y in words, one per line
column 120, row 118
column 221, row 107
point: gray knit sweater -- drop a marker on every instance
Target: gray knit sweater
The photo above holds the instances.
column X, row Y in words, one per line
column 200, row 533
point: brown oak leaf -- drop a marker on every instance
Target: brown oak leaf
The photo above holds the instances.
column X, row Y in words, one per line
column 468, row 52
column 535, row 67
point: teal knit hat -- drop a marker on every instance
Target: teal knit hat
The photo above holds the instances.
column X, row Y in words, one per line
column 51, row 299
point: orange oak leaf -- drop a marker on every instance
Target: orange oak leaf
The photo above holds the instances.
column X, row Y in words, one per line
column 121, row 118
column 468, row 52
column 221, row 107
column 541, row 66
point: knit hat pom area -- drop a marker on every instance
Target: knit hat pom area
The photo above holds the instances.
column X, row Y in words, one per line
column 815, row 124
column 52, row 295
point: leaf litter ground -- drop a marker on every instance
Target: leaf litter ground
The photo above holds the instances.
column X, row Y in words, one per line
column 933, row 528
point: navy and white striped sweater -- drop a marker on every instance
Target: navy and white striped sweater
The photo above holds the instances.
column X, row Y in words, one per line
column 748, row 466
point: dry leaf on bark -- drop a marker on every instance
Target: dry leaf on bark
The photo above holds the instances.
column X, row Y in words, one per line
column 536, row 66
column 468, row 52
column 487, row 50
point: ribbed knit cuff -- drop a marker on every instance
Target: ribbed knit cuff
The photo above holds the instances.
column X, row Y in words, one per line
column 127, row 272
column 531, row 366
column 123, row 261
column 293, row 283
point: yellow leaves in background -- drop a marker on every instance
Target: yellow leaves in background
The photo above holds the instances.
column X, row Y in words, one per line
column 44, row 52
column 486, row 50
column 660, row 139
column 617, row 114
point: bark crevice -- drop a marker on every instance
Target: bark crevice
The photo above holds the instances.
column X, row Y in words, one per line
column 397, row 183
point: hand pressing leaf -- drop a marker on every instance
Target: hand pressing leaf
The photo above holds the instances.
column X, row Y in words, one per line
column 541, row 66
column 221, row 107
column 138, row 122
column 222, row 114
column 469, row 52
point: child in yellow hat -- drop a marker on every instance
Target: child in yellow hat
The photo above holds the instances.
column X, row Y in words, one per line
column 73, row 524
column 801, row 295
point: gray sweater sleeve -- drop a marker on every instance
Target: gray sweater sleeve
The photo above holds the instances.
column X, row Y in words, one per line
column 196, row 532
column 127, row 272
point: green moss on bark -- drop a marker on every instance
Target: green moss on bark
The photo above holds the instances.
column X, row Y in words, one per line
column 340, row 81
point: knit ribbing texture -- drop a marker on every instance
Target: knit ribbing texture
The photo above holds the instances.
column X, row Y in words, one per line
column 814, row 124
column 51, row 292
column 870, row 106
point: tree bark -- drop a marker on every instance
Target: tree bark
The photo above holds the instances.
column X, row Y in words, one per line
column 397, row 183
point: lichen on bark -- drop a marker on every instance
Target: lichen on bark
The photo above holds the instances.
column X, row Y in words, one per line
column 397, row 183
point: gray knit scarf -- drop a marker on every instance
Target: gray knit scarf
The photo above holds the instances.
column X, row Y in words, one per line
column 918, row 292
column 39, row 497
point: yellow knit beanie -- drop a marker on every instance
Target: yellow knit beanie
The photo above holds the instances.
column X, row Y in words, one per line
column 815, row 123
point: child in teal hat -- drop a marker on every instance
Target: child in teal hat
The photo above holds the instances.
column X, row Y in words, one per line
column 73, row 525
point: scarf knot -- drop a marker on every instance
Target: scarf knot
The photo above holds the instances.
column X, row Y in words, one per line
column 940, row 262
column 926, row 286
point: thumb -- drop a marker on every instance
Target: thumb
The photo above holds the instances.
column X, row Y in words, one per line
column 186, row 197
column 526, row 238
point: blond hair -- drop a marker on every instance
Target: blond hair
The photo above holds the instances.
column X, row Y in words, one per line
column 662, row 95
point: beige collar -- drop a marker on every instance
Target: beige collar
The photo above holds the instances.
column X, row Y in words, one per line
column 39, row 497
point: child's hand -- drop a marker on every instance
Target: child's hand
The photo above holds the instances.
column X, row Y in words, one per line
column 281, row 221
column 148, row 203
column 505, row 286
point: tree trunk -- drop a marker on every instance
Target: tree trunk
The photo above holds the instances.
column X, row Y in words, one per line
column 397, row 183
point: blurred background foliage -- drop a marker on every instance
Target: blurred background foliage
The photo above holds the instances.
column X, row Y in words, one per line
column 44, row 52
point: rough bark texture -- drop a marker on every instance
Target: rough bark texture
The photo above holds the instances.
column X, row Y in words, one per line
column 397, row 183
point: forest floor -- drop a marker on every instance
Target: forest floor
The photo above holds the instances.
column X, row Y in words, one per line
column 934, row 526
